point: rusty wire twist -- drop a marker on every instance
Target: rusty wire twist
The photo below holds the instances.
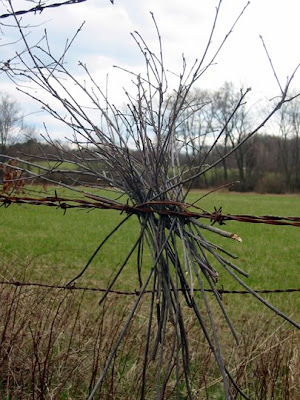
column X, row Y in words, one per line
column 170, row 208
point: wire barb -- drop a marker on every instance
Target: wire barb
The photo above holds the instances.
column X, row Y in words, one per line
column 161, row 208
column 40, row 8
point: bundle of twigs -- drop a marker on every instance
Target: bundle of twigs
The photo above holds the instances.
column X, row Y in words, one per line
column 156, row 185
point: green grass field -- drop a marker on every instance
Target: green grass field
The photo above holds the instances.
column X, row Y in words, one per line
column 41, row 244
column 53, row 164
column 54, row 247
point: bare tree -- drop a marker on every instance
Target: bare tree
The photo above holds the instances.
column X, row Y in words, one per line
column 10, row 121
column 289, row 143
column 216, row 111
column 237, row 123
column 294, row 116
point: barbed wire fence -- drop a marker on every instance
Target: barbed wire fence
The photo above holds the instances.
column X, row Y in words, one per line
column 137, row 292
column 41, row 6
column 66, row 203
column 156, row 184
column 167, row 208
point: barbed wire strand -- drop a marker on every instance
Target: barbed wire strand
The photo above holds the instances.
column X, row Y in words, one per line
column 40, row 7
column 137, row 292
column 170, row 208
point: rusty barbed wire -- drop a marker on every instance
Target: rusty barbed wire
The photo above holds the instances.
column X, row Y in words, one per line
column 221, row 291
column 170, row 208
column 41, row 7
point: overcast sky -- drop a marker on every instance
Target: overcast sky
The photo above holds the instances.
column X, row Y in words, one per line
column 184, row 26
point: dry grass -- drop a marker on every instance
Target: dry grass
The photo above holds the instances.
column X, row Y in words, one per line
column 54, row 343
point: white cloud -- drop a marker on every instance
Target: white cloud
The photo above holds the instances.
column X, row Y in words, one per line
column 184, row 27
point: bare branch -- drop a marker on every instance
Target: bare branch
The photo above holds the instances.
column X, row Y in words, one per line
column 41, row 7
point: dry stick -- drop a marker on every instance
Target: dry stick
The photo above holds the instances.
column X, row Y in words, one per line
column 44, row 83
column 170, row 366
column 178, row 322
column 185, row 289
column 209, row 248
column 183, row 343
column 152, row 244
column 171, row 254
column 216, row 247
column 261, row 299
column 216, row 294
column 161, row 291
column 187, row 265
column 218, row 298
column 140, row 255
column 235, row 385
column 122, row 334
column 225, row 262
column 122, row 266
column 222, row 260
column 148, row 339
column 212, row 191
column 271, row 64
column 198, row 73
column 204, row 329
column 178, row 318
column 214, row 344
column 161, row 337
column 168, row 370
column 79, row 109
column 97, row 250
column 216, row 230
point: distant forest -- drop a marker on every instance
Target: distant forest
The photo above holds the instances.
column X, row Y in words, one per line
column 261, row 162
column 264, row 164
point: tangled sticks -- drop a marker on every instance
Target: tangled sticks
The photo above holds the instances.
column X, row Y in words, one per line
column 156, row 183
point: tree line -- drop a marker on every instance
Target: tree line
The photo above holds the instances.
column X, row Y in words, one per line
column 265, row 165
column 268, row 162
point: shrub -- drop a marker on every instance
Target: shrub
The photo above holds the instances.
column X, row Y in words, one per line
column 271, row 183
